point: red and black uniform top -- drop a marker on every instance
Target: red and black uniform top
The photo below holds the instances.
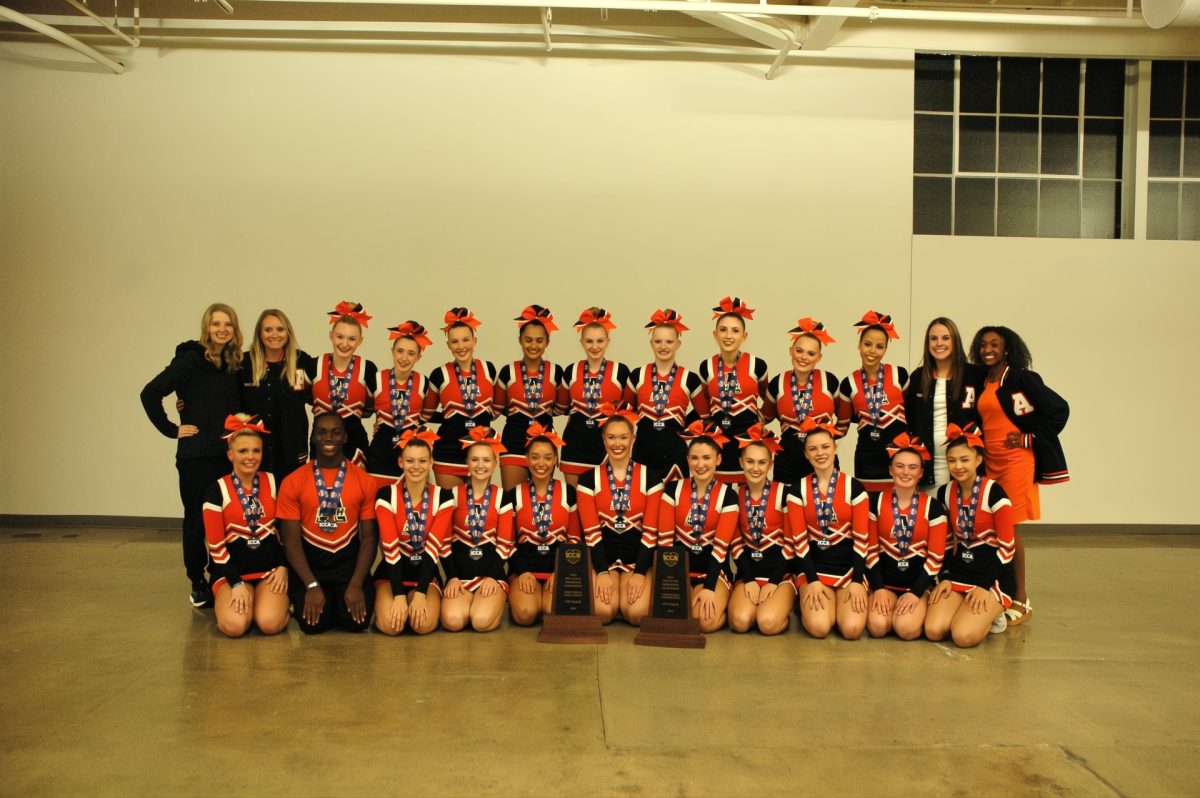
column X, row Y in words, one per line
column 907, row 544
column 586, row 391
column 830, row 530
column 400, row 405
column 791, row 401
column 877, row 408
column 537, row 523
column 412, row 535
column 618, row 518
column 702, row 521
column 466, row 400
column 347, row 393
column 663, row 400
column 524, row 396
column 762, row 548
column 734, row 392
column 239, row 527
column 476, row 549
column 328, row 522
column 983, row 537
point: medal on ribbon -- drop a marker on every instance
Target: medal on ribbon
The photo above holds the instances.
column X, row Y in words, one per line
column 620, row 495
column 329, row 498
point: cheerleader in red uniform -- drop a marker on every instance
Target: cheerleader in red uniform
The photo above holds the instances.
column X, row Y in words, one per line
column 907, row 545
column 465, row 390
column 734, row 382
column 239, row 525
column 399, row 401
column 474, row 555
column 1022, row 419
column 804, row 392
column 588, row 384
column 527, row 391
column 414, row 524
column 764, row 593
column 700, row 513
column 976, row 584
column 618, row 512
column 537, row 516
column 827, row 515
column 873, row 398
column 663, row 391
column 342, row 381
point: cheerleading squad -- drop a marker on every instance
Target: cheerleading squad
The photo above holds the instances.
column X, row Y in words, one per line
column 922, row 540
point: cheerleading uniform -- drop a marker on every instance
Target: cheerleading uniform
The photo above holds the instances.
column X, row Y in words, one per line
column 242, row 551
column 663, row 406
column 878, row 410
column 466, row 401
column 830, row 533
column 347, row 393
column 618, row 519
column 412, row 539
column 733, row 397
column 536, row 525
column 906, row 549
column 329, row 536
column 790, row 402
column 762, row 545
column 281, row 407
column 584, row 392
column 524, row 398
column 399, row 406
column 475, row 550
column 981, row 527
column 704, row 524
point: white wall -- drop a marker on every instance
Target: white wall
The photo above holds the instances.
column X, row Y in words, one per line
column 417, row 182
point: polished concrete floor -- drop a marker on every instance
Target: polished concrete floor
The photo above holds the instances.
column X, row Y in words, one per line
column 113, row 685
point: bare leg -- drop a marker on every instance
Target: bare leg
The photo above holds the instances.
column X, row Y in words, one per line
column 710, row 625
column 774, row 612
column 230, row 622
column 486, row 611
column 850, row 623
column 880, row 623
column 939, row 616
column 433, row 609
column 524, row 608
column 456, row 612
column 387, row 605
column 271, row 610
column 741, row 610
column 970, row 627
column 636, row 610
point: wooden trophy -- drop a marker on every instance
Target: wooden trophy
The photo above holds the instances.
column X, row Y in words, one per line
column 572, row 618
column 670, row 623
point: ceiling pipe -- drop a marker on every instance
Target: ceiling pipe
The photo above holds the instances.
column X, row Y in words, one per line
column 62, row 38
column 132, row 41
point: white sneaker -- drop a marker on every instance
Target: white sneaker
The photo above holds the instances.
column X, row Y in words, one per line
column 999, row 625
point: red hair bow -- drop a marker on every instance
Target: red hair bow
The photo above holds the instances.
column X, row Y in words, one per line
column 809, row 326
column 460, row 316
column 904, row 441
column 483, row 435
column 236, row 424
column 611, row 411
column 598, row 316
column 536, row 430
column 970, row 433
column 427, row 436
column 541, row 315
column 873, row 318
column 410, row 329
column 352, row 309
column 808, row 425
column 734, row 305
column 697, row 430
column 665, row 317
column 760, row 435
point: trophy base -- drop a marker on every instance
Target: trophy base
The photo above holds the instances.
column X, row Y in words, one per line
column 670, row 633
column 573, row 629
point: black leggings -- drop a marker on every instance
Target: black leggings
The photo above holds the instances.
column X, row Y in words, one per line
column 196, row 476
column 334, row 613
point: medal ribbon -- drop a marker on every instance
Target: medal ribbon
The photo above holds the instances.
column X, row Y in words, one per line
column 401, row 399
column 533, row 388
column 727, row 382
column 252, row 509
column 591, row 386
column 698, row 510
column 661, row 389
column 477, row 513
column 824, row 506
column 330, row 498
column 904, row 524
column 875, row 396
column 414, row 519
column 468, row 387
column 966, row 512
column 802, row 400
column 756, row 513
column 339, row 387
column 620, row 495
column 541, row 511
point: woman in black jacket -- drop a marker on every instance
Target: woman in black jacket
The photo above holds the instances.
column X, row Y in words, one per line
column 941, row 391
column 275, row 388
column 1021, row 421
column 203, row 375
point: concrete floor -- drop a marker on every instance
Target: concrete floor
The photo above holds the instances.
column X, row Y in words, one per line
column 115, row 686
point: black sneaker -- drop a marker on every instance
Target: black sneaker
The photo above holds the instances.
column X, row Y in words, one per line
column 202, row 597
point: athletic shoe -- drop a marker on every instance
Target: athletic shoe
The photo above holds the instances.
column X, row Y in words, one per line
column 999, row 625
column 202, row 597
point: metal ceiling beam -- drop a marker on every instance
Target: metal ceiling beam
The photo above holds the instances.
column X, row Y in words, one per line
column 62, row 38
column 821, row 34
